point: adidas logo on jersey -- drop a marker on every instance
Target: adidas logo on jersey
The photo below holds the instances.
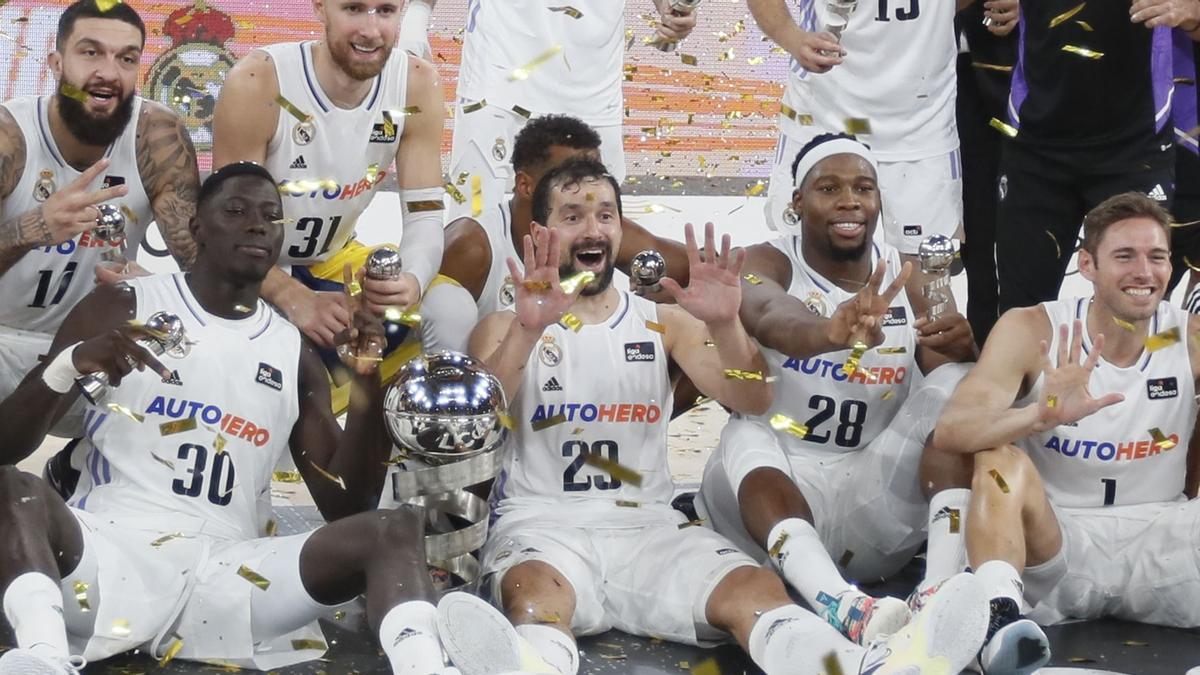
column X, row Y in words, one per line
column 299, row 163
column 173, row 379
column 896, row 316
column 1157, row 193
column 1163, row 387
column 270, row 376
column 552, row 385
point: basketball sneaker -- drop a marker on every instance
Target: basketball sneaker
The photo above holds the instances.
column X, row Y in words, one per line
column 480, row 640
column 862, row 618
column 1014, row 645
column 26, row 662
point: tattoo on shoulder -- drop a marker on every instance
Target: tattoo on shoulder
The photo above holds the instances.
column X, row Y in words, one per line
column 12, row 153
column 166, row 160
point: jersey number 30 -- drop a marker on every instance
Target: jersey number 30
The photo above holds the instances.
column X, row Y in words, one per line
column 191, row 480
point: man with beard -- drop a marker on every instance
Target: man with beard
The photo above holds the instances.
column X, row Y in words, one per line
column 585, row 538
column 327, row 118
column 1074, row 431
column 92, row 142
column 829, row 473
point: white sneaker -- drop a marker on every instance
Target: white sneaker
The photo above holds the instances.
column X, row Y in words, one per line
column 862, row 618
column 1014, row 645
column 478, row 638
column 942, row 639
column 25, row 662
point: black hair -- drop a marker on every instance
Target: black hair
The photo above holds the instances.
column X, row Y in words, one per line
column 212, row 184
column 533, row 142
column 572, row 172
column 818, row 140
column 90, row 9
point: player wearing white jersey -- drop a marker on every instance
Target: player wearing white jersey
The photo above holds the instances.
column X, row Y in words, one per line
column 1077, row 421
column 836, row 479
column 873, row 83
column 328, row 118
column 578, row 54
column 158, row 549
column 585, row 538
column 94, row 141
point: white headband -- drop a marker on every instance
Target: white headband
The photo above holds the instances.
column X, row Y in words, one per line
column 837, row 146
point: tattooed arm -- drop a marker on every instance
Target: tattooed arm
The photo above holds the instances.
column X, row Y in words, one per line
column 166, row 161
column 20, row 232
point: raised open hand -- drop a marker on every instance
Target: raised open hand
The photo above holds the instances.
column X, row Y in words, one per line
column 714, row 290
column 540, row 300
column 859, row 318
column 1065, row 397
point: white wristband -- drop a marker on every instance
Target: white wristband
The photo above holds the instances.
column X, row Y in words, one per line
column 60, row 374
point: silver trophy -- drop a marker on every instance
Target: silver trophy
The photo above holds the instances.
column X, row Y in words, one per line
column 837, row 16
column 937, row 256
column 384, row 263
column 110, row 225
column 681, row 8
column 169, row 338
column 647, row 271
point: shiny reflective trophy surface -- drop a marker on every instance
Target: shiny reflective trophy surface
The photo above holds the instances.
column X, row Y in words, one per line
column 384, row 263
column 444, row 413
column 110, row 227
column 936, row 254
column 168, row 338
column 838, row 15
column 647, row 270
column 680, row 7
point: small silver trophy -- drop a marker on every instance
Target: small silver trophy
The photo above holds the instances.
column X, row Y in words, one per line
column 937, row 256
column 647, row 271
column 384, row 263
column 168, row 338
column 838, row 16
column 110, row 225
column 681, row 8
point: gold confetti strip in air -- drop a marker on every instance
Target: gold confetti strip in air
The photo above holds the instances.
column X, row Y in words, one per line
column 755, row 189
column 618, row 471
column 171, row 653
column 707, row 667
column 751, row 375
column 1086, row 26
column 455, row 193
column 752, row 279
column 571, row 321
column 271, row 528
column 106, row 5
column 804, row 119
column 287, row 476
column 1057, row 248
column 575, row 281
column 120, row 409
column 888, row 394
column 177, row 427
column 474, row 107
column 81, row 596
column 1051, row 400
column 328, row 476
column 1000, row 482
column 300, row 645
column 522, row 112
column 547, row 617
column 756, row 60
column 777, row 547
column 292, row 109
column 1161, row 439
column 71, row 91
column 507, row 420
column 1003, row 127
column 524, row 71
column 536, row 286
column 892, row 350
column 1122, row 323
column 1066, row 16
column 691, row 523
column 844, row 561
column 1162, row 340
column 656, row 327
column 832, row 666
column 1083, row 51
column 120, row 628
column 858, row 126
column 219, row 444
column 856, row 353
column 1187, row 224
column 253, row 577
column 339, row 615
column 781, row 422
column 629, row 504
column 476, row 196
column 991, row 66
column 1135, row 643
column 157, row 543
column 160, row 460
column 408, row 317
column 242, row 309
column 543, row 424
column 689, row 60
column 354, row 288
column 306, row 185
column 568, row 10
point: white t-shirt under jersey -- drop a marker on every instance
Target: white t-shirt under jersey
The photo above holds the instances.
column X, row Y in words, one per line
column 898, row 74
column 1111, row 458
column 239, row 384
column 47, row 282
column 583, row 80
column 353, row 148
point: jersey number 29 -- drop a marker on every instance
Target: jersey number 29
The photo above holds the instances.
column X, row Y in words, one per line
column 579, row 450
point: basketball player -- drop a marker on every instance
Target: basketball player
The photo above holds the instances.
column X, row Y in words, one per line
column 157, row 550
column 327, row 118
column 585, row 538
column 839, row 477
column 525, row 58
column 93, row 141
column 1078, row 418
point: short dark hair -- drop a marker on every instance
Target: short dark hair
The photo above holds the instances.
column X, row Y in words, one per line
column 818, row 140
column 1117, row 208
column 90, row 9
column 533, row 142
column 212, row 184
column 573, row 172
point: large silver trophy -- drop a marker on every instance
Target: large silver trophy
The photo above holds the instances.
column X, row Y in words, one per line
column 936, row 254
column 647, row 270
column 445, row 414
column 166, row 337
column 680, row 7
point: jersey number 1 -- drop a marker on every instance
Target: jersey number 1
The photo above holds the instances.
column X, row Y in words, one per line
column 913, row 11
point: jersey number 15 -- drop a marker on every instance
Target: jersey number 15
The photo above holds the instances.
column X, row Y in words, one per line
column 913, row 11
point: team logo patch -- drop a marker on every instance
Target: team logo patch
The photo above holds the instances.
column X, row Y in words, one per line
column 508, row 292
column 1163, row 387
column 304, row 132
column 816, row 302
column 270, row 376
column 552, row 385
column 383, row 132
column 550, row 354
column 912, row 230
column 44, row 187
column 173, row 379
column 639, row 351
column 112, row 181
column 895, row 316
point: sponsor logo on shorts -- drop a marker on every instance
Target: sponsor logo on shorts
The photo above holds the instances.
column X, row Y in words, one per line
column 603, row 412
column 639, row 351
column 231, row 425
column 1163, row 387
column 912, row 230
column 1108, row 451
column 895, row 316
column 383, row 132
column 270, row 376
column 827, row 369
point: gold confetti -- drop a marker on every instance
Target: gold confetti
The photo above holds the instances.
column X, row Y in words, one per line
column 1122, row 323
column 1135, row 643
column 271, row 528
column 887, row 394
column 543, row 424
column 507, row 420
column 858, row 126
column 1086, row 26
column 691, row 523
column 219, row 444
column 755, row 189
column 688, row 59
column 571, row 321
column 781, row 422
column 172, row 652
column 425, row 205
column 410, row 318
column 106, row 5
column 1057, row 248
column 354, row 289
column 157, row 543
column 287, row 476
column 474, row 107
column 656, row 327
column 752, row 279
column 299, row 645
column 803, row 119
column 254, row 577
column 892, row 350
column 292, row 109
column 1066, row 16
column 547, row 617
column 524, row 71
column 118, row 408
column 339, row 615
column 455, row 193
column 707, row 667
column 1161, row 439
column 535, row 286
column 756, row 60
column 476, row 196
column 735, row 374
column 1162, row 340
column 1003, row 127
column 305, row 185
column 242, row 309
column 617, row 471
column 522, row 112
column 832, row 666
column 1051, row 401
column 1003, row 484
column 777, row 547
column 568, row 10
column 856, row 353
column 120, row 628
column 336, row 479
column 71, row 91
column 629, row 504
column 575, row 281
column 176, row 427
column 1083, row 51
column 844, row 561
column 1192, row 266
column 160, row 460
column 991, row 66
column 81, row 590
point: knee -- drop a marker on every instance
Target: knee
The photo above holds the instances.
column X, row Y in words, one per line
column 533, row 587
column 402, row 526
column 1007, row 468
column 743, row 595
column 16, row 486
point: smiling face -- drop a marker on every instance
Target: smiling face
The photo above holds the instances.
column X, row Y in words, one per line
column 1130, row 268
column 589, row 226
column 838, row 203
column 360, row 33
column 100, row 57
column 239, row 230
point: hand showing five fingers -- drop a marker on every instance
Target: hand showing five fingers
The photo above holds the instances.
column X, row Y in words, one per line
column 714, row 290
column 1065, row 397
column 540, row 299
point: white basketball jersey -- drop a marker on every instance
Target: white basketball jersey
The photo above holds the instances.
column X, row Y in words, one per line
column 603, row 390
column 211, row 435
column 498, row 290
column 37, row 293
column 898, row 75
column 350, row 151
column 843, row 413
column 1111, row 457
column 583, row 79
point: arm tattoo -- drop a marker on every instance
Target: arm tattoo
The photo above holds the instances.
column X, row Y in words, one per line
column 166, row 161
column 22, row 232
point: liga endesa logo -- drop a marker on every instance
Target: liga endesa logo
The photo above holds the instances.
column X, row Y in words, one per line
column 229, row 424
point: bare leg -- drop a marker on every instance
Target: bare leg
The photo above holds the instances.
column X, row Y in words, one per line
column 1017, row 526
column 766, row 497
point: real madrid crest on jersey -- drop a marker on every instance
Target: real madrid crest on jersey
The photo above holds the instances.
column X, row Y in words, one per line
column 499, row 150
column 816, row 302
column 508, row 292
column 304, row 132
column 549, row 352
column 44, row 187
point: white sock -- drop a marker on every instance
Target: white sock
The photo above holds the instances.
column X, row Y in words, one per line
column 1001, row 580
column 790, row 639
column 414, row 28
column 804, row 562
column 408, row 635
column 555, row 647
column 947, row 551
column 33, row 604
